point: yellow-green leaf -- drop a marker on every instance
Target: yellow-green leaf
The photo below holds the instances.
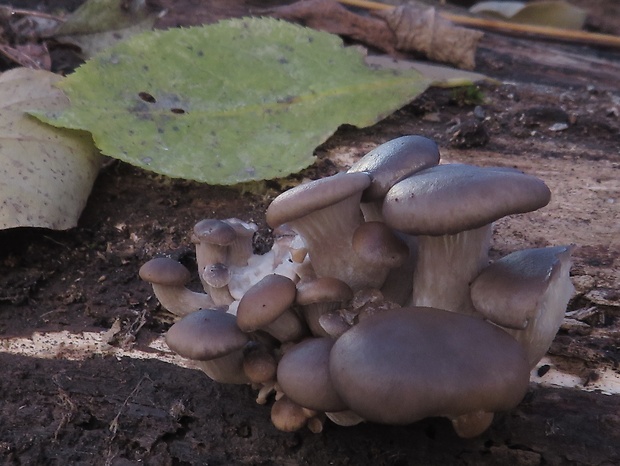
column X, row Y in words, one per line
column 241, row 100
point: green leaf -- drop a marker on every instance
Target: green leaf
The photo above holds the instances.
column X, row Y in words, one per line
column 547, row 13
column 46, row 174
column 237, row 101
column 99, row 24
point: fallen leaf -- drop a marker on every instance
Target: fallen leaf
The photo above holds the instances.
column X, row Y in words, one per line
column 236, row 101
column 35, row 56
column 99, row 24
column 46, row 173
column 331, row 16
column 441, row 76
column 552, row 13
column 420, row 29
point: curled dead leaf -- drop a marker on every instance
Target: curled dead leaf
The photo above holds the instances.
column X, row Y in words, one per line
column 421, row 29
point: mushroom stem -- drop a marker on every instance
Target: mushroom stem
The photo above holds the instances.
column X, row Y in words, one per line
column 327, row 234
column 221, row 296
column 181, row 301
column 226, row 369
column 287, row 327
column 446, row 266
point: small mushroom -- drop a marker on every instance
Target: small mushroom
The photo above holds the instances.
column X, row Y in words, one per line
column 303, row 375
column 389, row 163
column 450, row 208
column 380, row 248
column 398, row 285
column 472, row 424
column 407, row 364
column 259, row 364
column 241, row 249
column 212, row 339
column 287, row 415
column 526, row 293
column 212, row 238
column 267, row 306
column 217, row 277
column 319, row 296
column 333, row 324
column 325, row 213
column 168, row 278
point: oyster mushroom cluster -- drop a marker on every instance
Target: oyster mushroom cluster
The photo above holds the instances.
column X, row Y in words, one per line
column 377, row 301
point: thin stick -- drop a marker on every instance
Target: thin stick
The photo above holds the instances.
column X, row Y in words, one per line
column 33, row 13
column 504, row 26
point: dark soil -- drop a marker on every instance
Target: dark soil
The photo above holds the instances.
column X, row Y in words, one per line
column 62, row 405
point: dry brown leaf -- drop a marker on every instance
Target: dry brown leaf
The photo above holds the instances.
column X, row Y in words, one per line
column 332, row 17
column 421, row 29
column 35, row 56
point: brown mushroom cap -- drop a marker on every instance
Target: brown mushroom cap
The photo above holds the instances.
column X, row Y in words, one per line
column 406, row 364
column 265, row 301
column 165, row 271
column 391, row 162
column 303, row 375
column 288, row 416
column 448, row 199
column 206, row 334
column 309, row 197
column 259, row 364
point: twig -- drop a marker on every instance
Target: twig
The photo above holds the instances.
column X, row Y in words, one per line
column 511, row 28
column 35, row 14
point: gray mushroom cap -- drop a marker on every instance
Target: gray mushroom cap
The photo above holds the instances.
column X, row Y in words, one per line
column 318, row 194
column 215, row 231
column 406, row 364
column 319, row 296
column 206, row 334
column 509, row 291
column 164, row 271
column 448, row 199
column 303, row 375
column 265, row 301
column 323, row 290
column 527, row 292
column 168, row 278
column 267, row 306
column 394, row 160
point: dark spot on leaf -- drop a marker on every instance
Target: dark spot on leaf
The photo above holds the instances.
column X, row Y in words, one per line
column 178, row 111
column 200, row 53
column 175, row 128
column 289, row 99
column 282, row 60
column 542, row 370
column 147, row 97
